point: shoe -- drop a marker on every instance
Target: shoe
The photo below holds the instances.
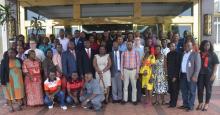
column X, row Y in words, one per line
column 189, row 109
column 11, row 109
column 205, row 108
column 119, row 101
column 199, row 107
column 182, row 107
column 171, row 106
column 135, row 103
column 123, row 102
column 50, row 107
column 97, row 110
column 73, row 105
column 64, row 107
column 156, row 103
column 114, row 101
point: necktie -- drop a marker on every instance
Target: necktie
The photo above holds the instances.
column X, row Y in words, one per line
column 116, row 61
column 87, row 50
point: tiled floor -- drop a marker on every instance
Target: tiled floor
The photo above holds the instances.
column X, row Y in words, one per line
column 118, row 109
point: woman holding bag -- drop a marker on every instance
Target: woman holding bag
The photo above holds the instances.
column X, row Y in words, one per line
column 102, row 64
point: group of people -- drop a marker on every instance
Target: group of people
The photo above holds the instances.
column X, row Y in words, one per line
column 91, row 70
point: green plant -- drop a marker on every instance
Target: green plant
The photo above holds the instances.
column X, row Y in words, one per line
column 6, row 13
column 36, row 24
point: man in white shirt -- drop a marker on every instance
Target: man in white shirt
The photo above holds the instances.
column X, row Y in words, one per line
column 63, row 40
column 39, row 54
column 190, row 68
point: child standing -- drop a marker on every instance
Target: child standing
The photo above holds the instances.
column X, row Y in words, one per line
column 146, row 73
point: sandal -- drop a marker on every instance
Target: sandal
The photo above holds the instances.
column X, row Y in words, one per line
column 205, row 108
column 10, row 109
column 199, row 107
column 163, row 103
column 156, row 103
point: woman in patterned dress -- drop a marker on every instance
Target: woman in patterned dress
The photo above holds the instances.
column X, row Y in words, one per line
column 12, row 80
column 160, row 81
column 33, row 81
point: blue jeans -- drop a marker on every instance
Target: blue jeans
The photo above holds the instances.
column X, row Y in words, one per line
column 59, row 95
column 69, row 100
column 188, row 90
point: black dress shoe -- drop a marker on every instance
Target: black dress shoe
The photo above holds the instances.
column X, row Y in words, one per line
column 114, row 101
column 182, row 107
column 189, row 109
column 123, row 102
column 171, row 106
column 119, row 101
column 135, row 103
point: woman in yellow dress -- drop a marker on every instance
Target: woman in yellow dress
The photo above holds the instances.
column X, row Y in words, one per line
column 146, row 72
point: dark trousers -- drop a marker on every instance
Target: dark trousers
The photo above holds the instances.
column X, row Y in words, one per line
column 188, row 90
column 173, row 90
column 204, row 83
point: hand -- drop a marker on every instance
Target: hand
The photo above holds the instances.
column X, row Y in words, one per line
column 145, row 73
column 137, row 76
column 101, row 76
column 213, row 77
column 31, row 79
column 122, row 77
column 99, row 72
column 51, row 97
column 194, row 79
column 81, row 93
column 174, row 79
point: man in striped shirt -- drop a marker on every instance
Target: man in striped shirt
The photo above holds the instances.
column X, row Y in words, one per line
column 130, row 63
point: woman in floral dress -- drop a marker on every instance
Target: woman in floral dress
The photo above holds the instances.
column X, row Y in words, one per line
column 160, row 81
column 33, row 81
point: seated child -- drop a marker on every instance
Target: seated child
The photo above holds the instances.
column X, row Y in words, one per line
column 52, row 87
column 92, row 94
column 74, row 87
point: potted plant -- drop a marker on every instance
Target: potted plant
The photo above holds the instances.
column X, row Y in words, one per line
column 6, row 17
column 36, row 24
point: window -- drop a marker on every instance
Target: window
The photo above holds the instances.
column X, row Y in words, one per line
column 180, row 28
column 217, row 29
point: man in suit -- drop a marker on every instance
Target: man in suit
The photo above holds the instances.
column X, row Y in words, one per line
column 173, row 70
column 190, row 67
column 70, row 61
column 78, row 41
column 116, row 74
column 87, row 56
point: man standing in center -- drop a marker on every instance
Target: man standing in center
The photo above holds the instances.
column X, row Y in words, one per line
column 130, row 63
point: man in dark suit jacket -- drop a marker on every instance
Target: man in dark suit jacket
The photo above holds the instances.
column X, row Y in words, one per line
column 78, row 41
column 190, row 68
column 70, row 61
column 116, row 73
column 173, row 69
column 87, row 55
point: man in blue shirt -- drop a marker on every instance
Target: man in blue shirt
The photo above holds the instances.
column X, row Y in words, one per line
column 92, row 94
column 122, row 46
